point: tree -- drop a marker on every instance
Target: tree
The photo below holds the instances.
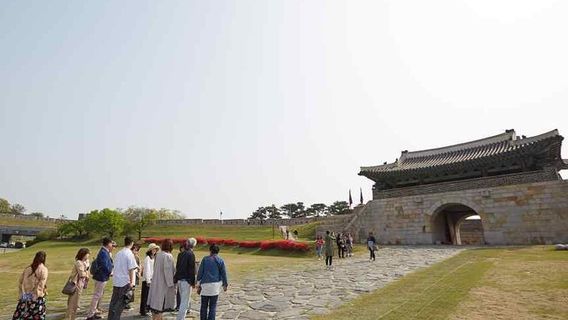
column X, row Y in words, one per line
column 339, row 207
column 274, row 213
column 18, row 209
column 139, row 218
column 317, row 209
column 294, row 210
column 37, row 214
column 168, row 214
column 5, row 206
column 260, row 214
column 75, row 228
column 106, row 221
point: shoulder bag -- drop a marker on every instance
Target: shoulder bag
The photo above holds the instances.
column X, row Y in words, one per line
column 70, row 287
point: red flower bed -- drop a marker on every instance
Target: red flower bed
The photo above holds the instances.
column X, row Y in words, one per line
column 288, row 245
column 153, row 240
column 284, row 245
column 249, row 244
column 158, row 240
column 179, row 240
column 217, row 241
column 229, row 242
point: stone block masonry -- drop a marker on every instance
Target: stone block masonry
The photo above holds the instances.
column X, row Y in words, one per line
column 521, row 213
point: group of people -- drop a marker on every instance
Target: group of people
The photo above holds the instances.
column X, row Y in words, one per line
column 162, row 281
column 344, row 242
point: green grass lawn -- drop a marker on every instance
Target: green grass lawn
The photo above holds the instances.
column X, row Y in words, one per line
column 240, row 262
column 235, row 232
column 487, row 283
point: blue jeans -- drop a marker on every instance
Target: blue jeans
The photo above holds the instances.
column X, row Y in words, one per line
column 184, row 293
column 208, row 302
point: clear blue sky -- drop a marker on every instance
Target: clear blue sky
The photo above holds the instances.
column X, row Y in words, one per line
column 205, row 106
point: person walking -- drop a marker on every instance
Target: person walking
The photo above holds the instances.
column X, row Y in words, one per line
column 329, row 239
column 32, row 287
column 319, row 246
column 372, row 246
column 162, row 294
column 101, row 269
column 79, row 275
column 147, row 272
column 185, row 277
column 123, row 279
column 212, row 275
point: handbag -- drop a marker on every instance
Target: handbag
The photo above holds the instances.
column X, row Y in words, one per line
column 69, row 288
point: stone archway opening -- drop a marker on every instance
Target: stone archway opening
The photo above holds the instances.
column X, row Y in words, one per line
column 457, row 224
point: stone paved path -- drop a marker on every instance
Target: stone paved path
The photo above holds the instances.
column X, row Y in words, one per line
column 315, row 290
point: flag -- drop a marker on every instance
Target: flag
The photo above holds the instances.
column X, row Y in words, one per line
column 361, row 197
column 350, row 199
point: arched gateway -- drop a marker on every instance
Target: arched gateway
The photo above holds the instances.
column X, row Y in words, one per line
column 510, row 185
column 447, row 223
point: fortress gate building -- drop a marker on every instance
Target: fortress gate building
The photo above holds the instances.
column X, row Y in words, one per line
column 512, row 183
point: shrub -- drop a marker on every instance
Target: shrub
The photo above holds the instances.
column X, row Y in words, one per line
column 230, row 242
column 217, row 241
column 287, row 245
column 43, row 236
column 249, row 244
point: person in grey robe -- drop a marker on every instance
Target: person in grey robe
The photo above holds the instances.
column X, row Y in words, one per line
column 162, row 294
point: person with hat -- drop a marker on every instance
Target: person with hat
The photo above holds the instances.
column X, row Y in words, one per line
column 101, row 269
column 147, row 272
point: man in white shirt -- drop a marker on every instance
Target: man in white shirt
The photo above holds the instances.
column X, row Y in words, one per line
column 124, row 277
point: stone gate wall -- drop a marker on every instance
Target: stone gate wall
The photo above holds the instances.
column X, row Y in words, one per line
column 525, row 213
column 471, row 232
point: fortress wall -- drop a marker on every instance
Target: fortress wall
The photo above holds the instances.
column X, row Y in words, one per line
column 529, row 213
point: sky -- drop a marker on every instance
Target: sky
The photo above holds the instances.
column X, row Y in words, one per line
column 210, row 106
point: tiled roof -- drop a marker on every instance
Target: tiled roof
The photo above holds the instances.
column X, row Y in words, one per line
column 499, row 145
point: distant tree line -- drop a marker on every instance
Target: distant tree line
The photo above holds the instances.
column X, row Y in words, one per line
column 116, row 222
column 299, row 210
column 16, row 209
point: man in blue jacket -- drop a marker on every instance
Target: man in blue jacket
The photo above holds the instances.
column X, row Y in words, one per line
column 101, row 269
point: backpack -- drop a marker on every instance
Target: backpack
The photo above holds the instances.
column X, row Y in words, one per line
column 94, row 269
